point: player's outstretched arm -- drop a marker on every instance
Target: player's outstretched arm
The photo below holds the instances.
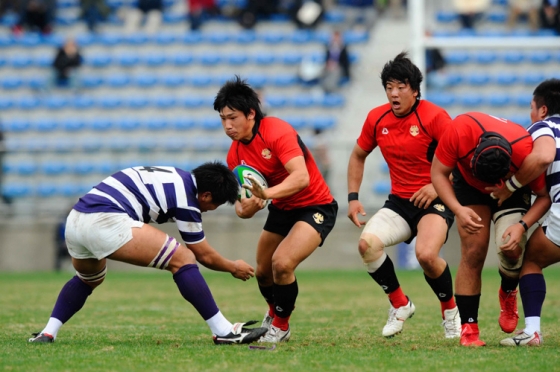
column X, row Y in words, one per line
column 354, row 178
column 211, row 259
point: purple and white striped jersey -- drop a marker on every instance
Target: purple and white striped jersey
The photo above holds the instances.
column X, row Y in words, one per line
column 158, row 194
column 550, row 127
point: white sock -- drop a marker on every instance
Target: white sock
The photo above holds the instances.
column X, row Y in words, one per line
column 532, row 324
column 219, row 325
column 52, row 327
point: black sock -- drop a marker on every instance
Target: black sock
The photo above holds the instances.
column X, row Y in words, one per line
column 267, row 293
column 468, row 308
column 285, row 299
column 442, row 286
column 508, row 284
column 386, row 277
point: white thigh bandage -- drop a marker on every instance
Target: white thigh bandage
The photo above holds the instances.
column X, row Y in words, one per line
column 389, row 227
column 502, row 220
column 92, row 278
column 161, row 260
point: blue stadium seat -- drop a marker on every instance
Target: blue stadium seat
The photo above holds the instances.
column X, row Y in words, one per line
column 301, row 37
column 210, row 58
column 170, row 17
column 506, row 78
column 25, row 168
column 471, row 100
column 513, row 57
column 276, row 101
column 101, row 124
column 45, row 124
column 192, row 38
column 355, row 37
column 146, row 144
column 264, row 58
column 478, row 78
column 109, row 102
column 333, row 100
column 334, row 16
column 85, row 40
column 119, row 144
column 83, row 102
column 183, row 123
column 128, row 123
column 272, row 37
column 523, row 99
column 165, row 38
column 46, row 190
column 302, row 101
column 454, row 78
column 70, row 190
column 182, row 58
column 54, row 168
column 106, row 167
column 540, row 57
column 498, row 99
column 145, row 80
column 192, row 101
column 292, row 58
column 485, row 57
column 154, row 60
column 384, row 167
column 137, row 101
column 129, row 59
column 17, row 190
column 496, row 16
column 21, row 61
column 173, row 80
column 217, row 37
column 64, row 145
column 31, row 102
column 296, row 121
column 55, row 102
column 172, row 144
column 73, row 124
column 90, row 81
column 210, row 123
column 109, row 39
column 323, row 122
column 83, row 168
column 16, row 125
column 446, row 16
column 245, row 37
column 137, row 38
column 442, row 99
column 532, row 78
column 285, row 80
column 164, row 101
column 200, row 80
column 118, row 80
column 6, row 103
column 38, row 82
column 99, row 60
column 382, row 187
column 11, row 82
column 90, row 145
column 524, row 120
column 237, row 58
column 457, row 57
column 157, row 123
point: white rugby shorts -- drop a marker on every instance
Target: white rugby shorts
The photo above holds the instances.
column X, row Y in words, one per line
column 552, row 224
column 97, row 235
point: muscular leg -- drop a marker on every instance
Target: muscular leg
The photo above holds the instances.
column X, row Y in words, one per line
column 268, row 242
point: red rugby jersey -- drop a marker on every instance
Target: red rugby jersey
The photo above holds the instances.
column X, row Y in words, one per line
column 457, row 145
column 404, row 143
column 276, row 143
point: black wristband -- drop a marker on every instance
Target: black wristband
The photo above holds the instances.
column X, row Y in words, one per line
column 352, row 196
column 524, row 225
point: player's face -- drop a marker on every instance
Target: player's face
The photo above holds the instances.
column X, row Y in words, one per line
column 236, row 125
column 401, row 97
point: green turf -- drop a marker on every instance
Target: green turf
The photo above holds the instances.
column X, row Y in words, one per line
column 139, row 322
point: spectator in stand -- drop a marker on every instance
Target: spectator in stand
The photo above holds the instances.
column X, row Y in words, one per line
column 550, row 15
column 147, row 13
column 255, row 9
column 435, row 65
column 93, row 12
column 470, row 11
column 337, row 64
column 530, row 8
column 8, row 5
column 320, row 151
column 36, row 16
column 68, row 59
column 199, row 10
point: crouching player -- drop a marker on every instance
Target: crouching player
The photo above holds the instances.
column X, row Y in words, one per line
column 111, row 222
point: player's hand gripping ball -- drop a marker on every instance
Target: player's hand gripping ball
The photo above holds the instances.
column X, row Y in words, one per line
column 241, row 172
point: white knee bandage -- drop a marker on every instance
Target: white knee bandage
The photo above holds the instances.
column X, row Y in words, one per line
column 92, row 278
column 389, row 227
column 502, row 220
column 161, row 260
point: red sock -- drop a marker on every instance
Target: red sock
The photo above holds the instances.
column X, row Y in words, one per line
column 447, row 305
column 282, row 323
column 397, row 298
column 271, row 310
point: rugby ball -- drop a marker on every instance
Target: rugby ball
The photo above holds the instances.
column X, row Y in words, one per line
column 241, row 172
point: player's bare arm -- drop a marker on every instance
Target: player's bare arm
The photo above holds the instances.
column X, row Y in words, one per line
column 211, row 259
column 424, row 197
column 542, row 154
column 512, row 235
column 297, row 180
column 354, row 179
column 247, row 207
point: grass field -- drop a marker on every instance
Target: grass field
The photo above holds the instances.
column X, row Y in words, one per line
column 138, row 321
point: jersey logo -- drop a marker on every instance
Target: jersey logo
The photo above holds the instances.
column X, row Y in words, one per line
column 318, row 218
column 527, row 199
column 266, row 154
column 414, row 130
column 439, row 207
column 385, row 131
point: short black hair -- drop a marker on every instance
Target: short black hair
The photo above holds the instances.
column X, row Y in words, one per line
column 547, row 94
column 219, row 180
column 403, row 70
column 238, row 95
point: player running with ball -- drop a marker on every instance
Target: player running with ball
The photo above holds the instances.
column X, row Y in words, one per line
column 302, row 212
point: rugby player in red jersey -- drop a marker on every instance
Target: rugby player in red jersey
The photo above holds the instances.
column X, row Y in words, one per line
column 302, row 212
column 482, row 151
column 406, row 130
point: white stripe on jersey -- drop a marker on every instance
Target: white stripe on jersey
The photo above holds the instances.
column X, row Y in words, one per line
column 105, row 195
column 117, row 185
column 189, row 227
column 134, row 176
